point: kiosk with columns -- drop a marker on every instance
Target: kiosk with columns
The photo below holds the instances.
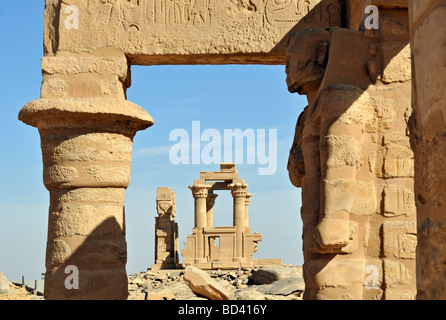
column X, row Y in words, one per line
column 211, row 247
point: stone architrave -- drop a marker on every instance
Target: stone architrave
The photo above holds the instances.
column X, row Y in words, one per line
column 166, row 231
column 185, row 31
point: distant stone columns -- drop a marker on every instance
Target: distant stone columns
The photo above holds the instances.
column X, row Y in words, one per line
column 210, row 201
column 200, row 194
column 247, row 202
column 239, row 192
column 86, row 127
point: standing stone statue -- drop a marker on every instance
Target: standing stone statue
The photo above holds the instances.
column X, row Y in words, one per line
column 166, row 231
column 351, row 156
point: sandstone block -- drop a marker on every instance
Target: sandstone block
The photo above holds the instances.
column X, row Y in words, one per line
column 342, row 273
column 371, row 113
column 343, row 151
column 333, row 233
column 339, row 195
column 92, row 195
column 393, row 294
column 283, row 287
column 84, row 219
column 208, row 31
column 201, row 283
column 270, row 274
column 72, row 65
column 399, row 239
column 365, row 202
column 58, row 251
column 396, row 274
column 394, row 161
column 398, row 200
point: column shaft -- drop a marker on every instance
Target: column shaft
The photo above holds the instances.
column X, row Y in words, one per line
column 200, row 194
column 86, row 138
column 239, row 191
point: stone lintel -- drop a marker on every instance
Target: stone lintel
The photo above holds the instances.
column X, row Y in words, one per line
column 157, row 32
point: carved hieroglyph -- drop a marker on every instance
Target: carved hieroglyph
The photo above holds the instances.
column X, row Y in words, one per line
column 211, row 247
column 352, row 158
column 193, row 31
column 87, row 126
column 166, row 231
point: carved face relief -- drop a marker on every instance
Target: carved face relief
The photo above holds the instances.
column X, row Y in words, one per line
column 164, row 207
column 306, row 60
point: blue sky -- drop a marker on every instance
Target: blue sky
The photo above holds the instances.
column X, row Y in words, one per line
column 219, row 97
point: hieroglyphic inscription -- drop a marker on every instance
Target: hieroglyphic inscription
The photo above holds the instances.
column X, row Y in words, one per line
column 164, row 12
column 200, row 12
column 180, row 12
column 291, row 12
column 399, row 239
column 398, row 201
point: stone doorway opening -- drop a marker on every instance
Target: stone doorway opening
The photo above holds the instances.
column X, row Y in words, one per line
column 247, row 90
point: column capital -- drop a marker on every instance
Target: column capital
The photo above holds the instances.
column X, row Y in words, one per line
column 239, row 189
column 200, row 190
column 248, row 198
column 210, row 200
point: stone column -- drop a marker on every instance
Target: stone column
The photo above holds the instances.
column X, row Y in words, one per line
column 86, row 128
column 428, row 129
column 200, row 194
column 239, row 191
column 247, row 202
column 210, row 201
column 351, row 156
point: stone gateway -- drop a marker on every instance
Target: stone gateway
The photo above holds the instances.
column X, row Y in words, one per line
column 368, row 152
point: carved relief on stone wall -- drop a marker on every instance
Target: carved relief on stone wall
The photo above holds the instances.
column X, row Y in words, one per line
column 180, row 12
column 291, row 12
column 399, row 239
column 394, row 160
column 135, row 14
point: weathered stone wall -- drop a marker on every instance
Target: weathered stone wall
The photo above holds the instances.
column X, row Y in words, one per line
column 352, row 157
column 428, row 31
column 186, row 32
column 351, row 153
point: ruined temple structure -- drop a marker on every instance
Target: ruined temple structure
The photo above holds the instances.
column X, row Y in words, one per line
column 353, row 160
column 166, row 231
column 232, row 247
column 368, row 153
